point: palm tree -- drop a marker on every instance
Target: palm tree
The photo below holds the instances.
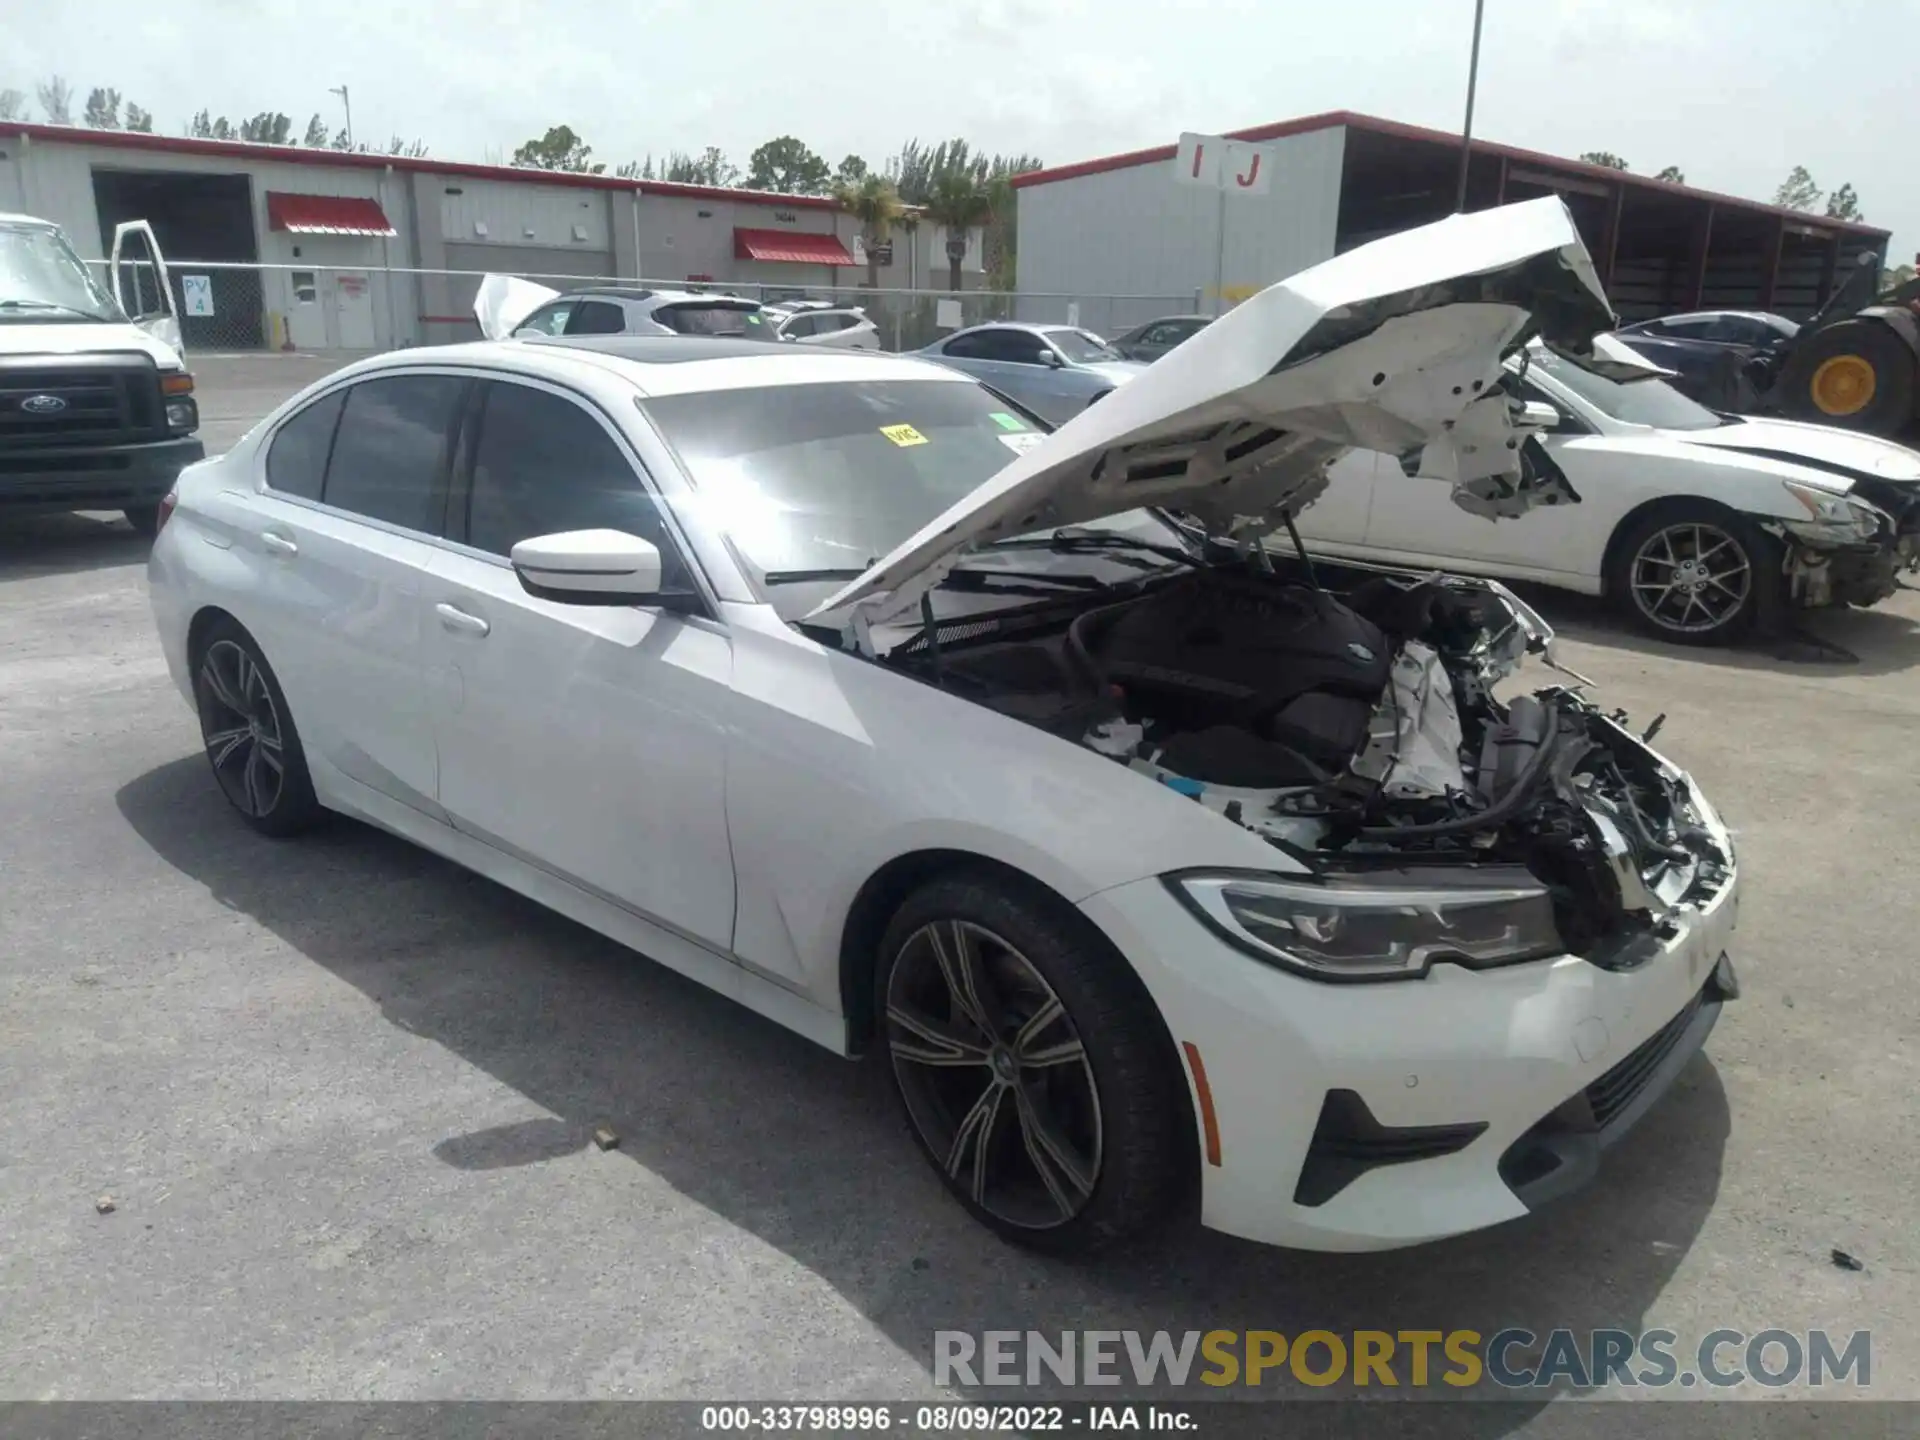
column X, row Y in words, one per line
column 876, row 205
column 959, row 201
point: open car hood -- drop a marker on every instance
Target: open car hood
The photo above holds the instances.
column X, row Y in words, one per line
column 1396, row 346
column 503, row 301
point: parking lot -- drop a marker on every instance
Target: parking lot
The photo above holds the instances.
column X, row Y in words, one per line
column 342, row 1094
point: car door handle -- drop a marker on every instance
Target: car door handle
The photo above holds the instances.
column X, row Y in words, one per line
column 278, row 543
column 454, row 618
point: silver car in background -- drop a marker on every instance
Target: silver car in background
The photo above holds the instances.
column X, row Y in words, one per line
column 1056, row 371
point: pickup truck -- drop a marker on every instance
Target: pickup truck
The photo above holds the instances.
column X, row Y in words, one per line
column 96, row 404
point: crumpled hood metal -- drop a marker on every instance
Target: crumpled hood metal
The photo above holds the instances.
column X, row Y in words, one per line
column 1395, row 346
column 1826, row 446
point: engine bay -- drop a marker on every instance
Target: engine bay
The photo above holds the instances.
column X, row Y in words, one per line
column 1354, row 729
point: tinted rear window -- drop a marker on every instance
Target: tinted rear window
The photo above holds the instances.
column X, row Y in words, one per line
column 697, row 319
column 297, row 459
column 391, row 447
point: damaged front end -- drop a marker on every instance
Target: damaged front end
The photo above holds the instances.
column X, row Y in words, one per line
column 1848, row 550
column 1359, row 733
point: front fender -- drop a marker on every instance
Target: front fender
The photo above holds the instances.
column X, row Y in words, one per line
column 837, row 765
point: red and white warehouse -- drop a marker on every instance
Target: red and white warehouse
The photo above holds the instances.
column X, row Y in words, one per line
column 323, row 237
column 1122, row 226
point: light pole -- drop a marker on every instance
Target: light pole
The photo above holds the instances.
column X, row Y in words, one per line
column 341, row 91
column 1466, row 131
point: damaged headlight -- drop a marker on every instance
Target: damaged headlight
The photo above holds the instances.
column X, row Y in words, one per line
column 1831, row 519
column 1377, row 926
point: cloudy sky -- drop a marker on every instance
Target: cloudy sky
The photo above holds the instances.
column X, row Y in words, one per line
column 1735, row 92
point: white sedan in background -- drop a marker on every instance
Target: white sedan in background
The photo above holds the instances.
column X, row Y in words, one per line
column 1143, row 860
column 1691, row 521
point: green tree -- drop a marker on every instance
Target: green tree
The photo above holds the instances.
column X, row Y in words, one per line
column 13, row 105
column 103, row 109
column 850, row 171
column 1797, row 191
column 558, row 149
column 269, row 127
column 1672, row 173
column 1844, row 204
column 786, row 165
column 875, row 204
column 959, row 202
column 138, row 119
column 316, row 135
column 204, row 127
column 1606, row 158
column 411, row 149
column 635, row 170
column 56, row 100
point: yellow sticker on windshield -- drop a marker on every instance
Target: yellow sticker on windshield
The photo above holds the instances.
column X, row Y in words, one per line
column 903, row 434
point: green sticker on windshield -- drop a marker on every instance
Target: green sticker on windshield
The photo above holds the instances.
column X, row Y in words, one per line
column 1006, row 421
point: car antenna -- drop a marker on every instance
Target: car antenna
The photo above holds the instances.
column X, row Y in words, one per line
column 1300, row 549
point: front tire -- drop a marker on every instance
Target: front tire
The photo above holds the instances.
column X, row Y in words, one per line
column 145, row 519
column 1034, row 1071
column 249, row 735
column 1693, row 573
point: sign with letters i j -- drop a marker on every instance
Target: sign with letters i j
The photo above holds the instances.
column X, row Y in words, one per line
column 1214, row 162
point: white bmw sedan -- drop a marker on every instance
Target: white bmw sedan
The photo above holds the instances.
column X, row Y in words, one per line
column 833, row 681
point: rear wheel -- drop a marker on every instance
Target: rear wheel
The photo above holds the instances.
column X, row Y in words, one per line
column 249, row 735
column 1693, row 573
column 1859, row 374
column 1034, row 1071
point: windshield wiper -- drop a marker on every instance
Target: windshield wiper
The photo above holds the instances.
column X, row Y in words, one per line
column 958, row 578
column 802, row 577
column 49, row 305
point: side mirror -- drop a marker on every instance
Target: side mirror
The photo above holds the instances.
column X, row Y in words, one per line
column 1051, row 359
column 1539, row 415
column 589, row 567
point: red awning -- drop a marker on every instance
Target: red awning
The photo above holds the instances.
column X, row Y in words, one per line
column 326, row 215
column 795, row 247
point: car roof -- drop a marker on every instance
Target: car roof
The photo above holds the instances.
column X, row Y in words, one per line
column 1030, row 326
column 666, row 364
column 638, row 292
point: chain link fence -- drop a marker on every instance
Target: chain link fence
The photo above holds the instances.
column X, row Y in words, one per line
column 225, row 306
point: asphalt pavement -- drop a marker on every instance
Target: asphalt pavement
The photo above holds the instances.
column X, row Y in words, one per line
column 341, row 1094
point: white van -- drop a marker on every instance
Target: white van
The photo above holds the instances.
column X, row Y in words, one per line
column 96, row 404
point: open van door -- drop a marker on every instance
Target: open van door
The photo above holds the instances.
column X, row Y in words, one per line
column 141, row 283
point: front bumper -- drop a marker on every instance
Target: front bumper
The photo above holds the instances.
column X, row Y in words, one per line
column 105, row 477
column 1480, row 1075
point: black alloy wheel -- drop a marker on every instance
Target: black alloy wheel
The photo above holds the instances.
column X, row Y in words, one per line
column 249, row 736
column 1055, row 1135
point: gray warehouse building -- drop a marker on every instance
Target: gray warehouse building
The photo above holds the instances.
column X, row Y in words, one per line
column 1122, row 225
column 324, row 249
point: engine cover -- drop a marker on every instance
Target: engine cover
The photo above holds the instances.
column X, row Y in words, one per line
column 1248, row 646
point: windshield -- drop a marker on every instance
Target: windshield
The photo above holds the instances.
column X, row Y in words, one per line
column 709, row 319
column 1083, row 347
column 1639, row 402
column 833, row 476
column 41, row 279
